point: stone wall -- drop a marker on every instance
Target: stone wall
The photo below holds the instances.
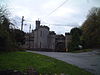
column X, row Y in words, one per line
column 41, row 38
column 51, row 41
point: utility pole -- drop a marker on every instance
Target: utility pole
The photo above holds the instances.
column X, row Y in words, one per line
column 30, row 28
column 22, row 23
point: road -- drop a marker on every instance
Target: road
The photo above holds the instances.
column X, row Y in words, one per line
column 89, row 61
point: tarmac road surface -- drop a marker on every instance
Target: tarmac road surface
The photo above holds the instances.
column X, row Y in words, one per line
column 89, row 61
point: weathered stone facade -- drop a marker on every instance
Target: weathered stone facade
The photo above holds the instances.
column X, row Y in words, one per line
column 60, row 43
column 51, row 40
column 67, row 40
column 43, row 39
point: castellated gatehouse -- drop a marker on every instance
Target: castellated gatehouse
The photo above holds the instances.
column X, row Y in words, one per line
column 42, row 39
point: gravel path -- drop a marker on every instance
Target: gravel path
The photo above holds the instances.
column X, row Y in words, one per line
column 89, row 61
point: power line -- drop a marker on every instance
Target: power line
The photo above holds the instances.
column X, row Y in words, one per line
column 50, row 24
column 70, row 25
column 57, row 7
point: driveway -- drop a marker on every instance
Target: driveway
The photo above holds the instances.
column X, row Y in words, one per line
column 89, row 61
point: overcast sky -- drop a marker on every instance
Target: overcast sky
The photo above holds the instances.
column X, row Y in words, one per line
column 53, row 13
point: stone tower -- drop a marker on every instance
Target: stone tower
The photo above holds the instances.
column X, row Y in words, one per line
column 37, row 24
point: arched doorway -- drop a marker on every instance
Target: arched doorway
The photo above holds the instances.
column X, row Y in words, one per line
column 60, row 47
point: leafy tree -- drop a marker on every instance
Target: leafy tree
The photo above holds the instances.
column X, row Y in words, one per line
column 19, row 36
column 91, row 29
column 75, row 41
column 6, row 41
column 4, row 27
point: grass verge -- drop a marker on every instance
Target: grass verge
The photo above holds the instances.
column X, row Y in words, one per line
column 43, row 64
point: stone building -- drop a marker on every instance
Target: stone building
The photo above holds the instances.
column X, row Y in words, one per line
column 51, row 40
column 41, row 36
column 67, row 40
column 60, row 43
column 29, row 39
column 43, row 39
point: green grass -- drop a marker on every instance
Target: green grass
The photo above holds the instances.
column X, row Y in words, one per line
column 80, row 51
column 43, row 64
